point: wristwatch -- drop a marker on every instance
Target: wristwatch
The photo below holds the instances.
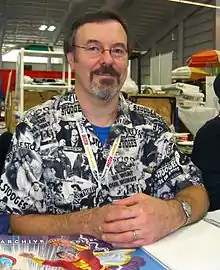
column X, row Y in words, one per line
column 187, row 209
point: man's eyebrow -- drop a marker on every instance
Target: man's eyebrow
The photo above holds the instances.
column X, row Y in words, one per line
column 99, row 42
column 92, row 41
column 121, row 44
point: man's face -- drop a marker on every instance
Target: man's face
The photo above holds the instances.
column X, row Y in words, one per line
column 36, row 186
column 68, row 256
column 17, row 165
column 74, row 136
column 2, row 205
column 59, row 188
column 102, row 76
column 28, row 158
column 62, row 142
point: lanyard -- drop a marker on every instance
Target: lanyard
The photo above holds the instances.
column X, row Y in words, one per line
column 90, row 155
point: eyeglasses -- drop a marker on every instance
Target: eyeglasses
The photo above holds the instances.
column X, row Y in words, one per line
column 94, row 51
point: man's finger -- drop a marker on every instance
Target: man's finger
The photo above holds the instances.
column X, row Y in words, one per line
column 122, row 214
column 132, row 200
column 119, row 226
column 126, row 202
column 124, row 237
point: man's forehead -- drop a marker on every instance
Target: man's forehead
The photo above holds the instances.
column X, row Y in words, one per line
column 98, row 30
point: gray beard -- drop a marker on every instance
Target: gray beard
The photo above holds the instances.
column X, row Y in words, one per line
column 106, row 90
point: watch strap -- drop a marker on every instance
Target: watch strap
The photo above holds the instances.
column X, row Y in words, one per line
column 186, row 207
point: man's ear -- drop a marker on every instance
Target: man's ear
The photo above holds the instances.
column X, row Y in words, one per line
column 70, row 59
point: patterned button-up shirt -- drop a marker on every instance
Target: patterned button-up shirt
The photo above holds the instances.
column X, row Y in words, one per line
column 47, row 169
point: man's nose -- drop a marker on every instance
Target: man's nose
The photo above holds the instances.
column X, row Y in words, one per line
column 106, row 57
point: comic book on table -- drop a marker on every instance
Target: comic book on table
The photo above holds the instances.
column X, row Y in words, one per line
column 71, row 253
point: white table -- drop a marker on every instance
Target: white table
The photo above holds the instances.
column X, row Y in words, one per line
column 196, row 247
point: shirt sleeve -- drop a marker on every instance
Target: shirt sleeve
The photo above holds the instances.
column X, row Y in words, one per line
column 57, row 263
column 173, row 170
column 17, row 176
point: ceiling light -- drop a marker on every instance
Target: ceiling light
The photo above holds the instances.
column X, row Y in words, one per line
column 43, row 27
column 195, row 3
column 51, row 28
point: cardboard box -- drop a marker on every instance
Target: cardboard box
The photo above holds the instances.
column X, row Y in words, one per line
column 31, row 99
column 164, row 105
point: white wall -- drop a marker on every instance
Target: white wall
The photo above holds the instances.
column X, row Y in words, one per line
column 190, row 34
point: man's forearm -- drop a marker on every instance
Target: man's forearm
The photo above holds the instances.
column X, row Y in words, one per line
column 197, row 197
column 175, row 216
column 65, row 224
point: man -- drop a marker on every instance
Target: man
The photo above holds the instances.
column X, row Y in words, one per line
column 37, row 194
column 4, row 217
column 97, row 49
column 77, row 257
column 68, row 260
column 74, row 137
column 34, row 165
column 3, row 204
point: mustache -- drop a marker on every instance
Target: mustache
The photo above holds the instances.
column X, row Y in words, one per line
column 103, row 70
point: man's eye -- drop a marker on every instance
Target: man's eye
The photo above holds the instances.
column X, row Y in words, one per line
column 118, row 50
column 93, row 49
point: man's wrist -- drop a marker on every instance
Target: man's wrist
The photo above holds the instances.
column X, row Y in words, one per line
column 87, row 220
column 177, row 214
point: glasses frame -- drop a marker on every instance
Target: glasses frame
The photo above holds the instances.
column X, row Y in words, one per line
column 98, row 54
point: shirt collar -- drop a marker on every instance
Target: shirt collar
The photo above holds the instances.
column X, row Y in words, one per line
column 123, row 119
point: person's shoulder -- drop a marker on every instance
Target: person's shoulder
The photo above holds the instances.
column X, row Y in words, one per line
column 214, row 122
column 211, row 127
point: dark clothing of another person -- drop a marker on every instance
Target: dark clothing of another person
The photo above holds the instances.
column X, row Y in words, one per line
column 5, row 140
column 206, row 155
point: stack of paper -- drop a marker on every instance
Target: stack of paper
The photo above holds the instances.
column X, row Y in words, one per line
column 213, row 218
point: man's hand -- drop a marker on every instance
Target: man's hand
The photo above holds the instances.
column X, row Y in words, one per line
column 27, row 255
column 59, row 242
column 96, row 219
column 142, row 220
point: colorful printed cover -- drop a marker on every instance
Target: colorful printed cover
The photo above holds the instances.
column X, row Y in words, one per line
column 71, row 253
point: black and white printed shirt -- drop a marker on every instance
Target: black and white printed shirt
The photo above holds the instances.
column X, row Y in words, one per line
column 47, row 169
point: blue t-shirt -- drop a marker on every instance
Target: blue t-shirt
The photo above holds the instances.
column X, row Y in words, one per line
column 4, row 223
column 102, row 133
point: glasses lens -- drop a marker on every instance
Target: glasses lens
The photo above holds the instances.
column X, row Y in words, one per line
column 94, row 50
column 118, row 51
